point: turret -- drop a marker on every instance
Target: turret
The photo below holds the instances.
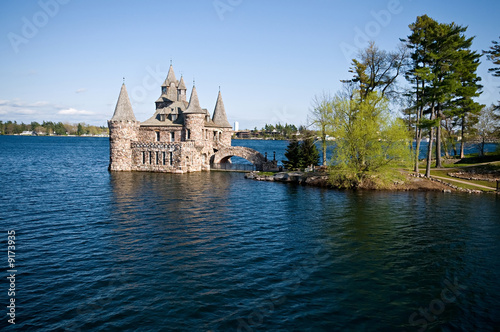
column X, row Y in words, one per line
column 194, row 118
column 220, row 119
column 169, row 86
column 123, row 129
column 181, row 90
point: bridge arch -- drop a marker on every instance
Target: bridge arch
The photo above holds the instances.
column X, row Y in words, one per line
column 253, row 156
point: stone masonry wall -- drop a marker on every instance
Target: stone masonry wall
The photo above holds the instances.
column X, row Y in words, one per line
column 148, row 134
column 122, row 133
column 195, row 124
column 176, row 157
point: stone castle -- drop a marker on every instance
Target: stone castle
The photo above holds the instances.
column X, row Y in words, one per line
column 180, row 137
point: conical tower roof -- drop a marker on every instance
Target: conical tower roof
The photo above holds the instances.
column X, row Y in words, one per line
column 194, row 103
column 170, row 77
column 172, row 92
column 219, row 117
column 182, row 86
column 123, row 109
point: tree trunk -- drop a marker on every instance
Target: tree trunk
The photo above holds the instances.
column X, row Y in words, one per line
column 438, row 140
column 418, row 130
column 324, row 151
column 446, row 142
column 417, row 148
column 429, row 153
column 482, row 146
column 462, row 141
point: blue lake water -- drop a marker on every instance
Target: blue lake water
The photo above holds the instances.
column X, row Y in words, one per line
column 213, row 251
column 276, row 149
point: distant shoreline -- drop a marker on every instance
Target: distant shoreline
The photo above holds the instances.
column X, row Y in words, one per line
column 90, row 136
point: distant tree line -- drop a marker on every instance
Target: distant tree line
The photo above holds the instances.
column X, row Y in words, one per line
column 51, row 128
column 277, row 132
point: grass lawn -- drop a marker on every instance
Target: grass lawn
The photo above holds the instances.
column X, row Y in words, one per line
column 454, row 181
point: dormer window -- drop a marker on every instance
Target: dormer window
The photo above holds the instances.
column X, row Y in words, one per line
column 162, row 117
column 164, row 90
column 173, row 117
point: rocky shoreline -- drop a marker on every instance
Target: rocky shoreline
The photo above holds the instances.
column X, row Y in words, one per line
column 414, row 182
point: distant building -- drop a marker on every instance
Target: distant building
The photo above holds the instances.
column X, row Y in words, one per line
column 180, row 136
column 236, row 126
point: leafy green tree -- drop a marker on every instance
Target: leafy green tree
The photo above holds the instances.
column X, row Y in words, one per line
column 321, row 114
column 80, row 131
column 368, row 139
column 486, row 126
column 377, row 70
column 34, row 125
column 59, row 129
column 292, row 155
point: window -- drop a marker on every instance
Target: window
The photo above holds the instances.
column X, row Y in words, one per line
column 173, row 117
column 162, row 117
column 150, row 157
column 143, row 157
column 171, row 157
column 164, row 90
column 188, row 134
column 164, row 158
column 157, row 136
column 172, row 136
column 157, row 158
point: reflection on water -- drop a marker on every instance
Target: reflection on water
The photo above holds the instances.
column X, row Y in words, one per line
column 213, row 251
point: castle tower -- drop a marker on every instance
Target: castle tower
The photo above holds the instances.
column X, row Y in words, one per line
column 194, row 119
column 181, row 90
column 123, row 129
column 220, row 119
column 166, row 86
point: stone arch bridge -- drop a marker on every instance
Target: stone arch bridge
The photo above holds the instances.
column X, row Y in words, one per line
column 255, row 157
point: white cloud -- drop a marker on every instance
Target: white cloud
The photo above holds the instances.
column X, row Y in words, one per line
column 25, row 111
column 39, row 104
column 73, row 111
column 81, row 90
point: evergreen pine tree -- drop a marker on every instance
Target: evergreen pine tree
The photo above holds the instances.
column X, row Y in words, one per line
column 293, row 155
column 309, row 154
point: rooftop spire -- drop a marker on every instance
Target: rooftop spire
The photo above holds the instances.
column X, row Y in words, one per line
column 123, row 109
column 219, row 117
column 194, row 103
column 182, row 86
column 170, row 77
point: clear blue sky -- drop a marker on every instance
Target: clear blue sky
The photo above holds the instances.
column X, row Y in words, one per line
column 63, row 60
